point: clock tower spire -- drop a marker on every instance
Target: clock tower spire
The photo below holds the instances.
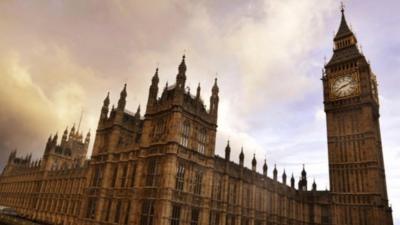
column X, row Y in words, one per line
column 356, row 167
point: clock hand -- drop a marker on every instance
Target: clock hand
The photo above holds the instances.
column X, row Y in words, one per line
column 343, row 86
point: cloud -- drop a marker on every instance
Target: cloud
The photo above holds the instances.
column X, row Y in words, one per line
column 58, row 58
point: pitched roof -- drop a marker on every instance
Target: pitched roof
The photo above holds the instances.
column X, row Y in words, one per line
column 344, row 29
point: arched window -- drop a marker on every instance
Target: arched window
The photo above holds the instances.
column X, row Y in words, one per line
column 185, row 133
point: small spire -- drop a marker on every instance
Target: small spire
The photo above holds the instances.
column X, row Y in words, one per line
column 314, row 186
column 265, row 167
column 198, row 92
column 241, row 156
column 344, row 29
column 155, row 77
column 227, row 151
column 66, row 131
column 284, row 176
column 182, row 66
column 215, row 88
column 138, row 111
column 72, row 130
column 122, row 99
column 303, row 172
column 123, row 92
column 254, row 161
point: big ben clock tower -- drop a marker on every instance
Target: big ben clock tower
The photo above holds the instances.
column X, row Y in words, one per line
column 356, row 168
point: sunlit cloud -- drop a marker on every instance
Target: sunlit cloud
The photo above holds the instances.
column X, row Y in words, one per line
column 59, row 59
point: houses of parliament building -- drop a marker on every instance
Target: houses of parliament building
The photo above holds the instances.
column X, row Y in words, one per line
column 160, row 168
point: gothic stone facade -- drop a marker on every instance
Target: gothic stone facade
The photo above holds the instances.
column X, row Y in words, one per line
column 161, row 168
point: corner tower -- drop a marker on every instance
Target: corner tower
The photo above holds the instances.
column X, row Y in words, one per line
column 356, row 168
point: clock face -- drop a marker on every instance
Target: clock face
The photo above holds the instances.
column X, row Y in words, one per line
column 344, row 86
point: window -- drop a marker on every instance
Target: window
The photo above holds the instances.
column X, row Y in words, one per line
column 133, row 172
column 147, row 213
column 159, row 130
column 114, row 176
column 91, row 209
column 185, row 133
column 230, row 220
column 124, row 174
column 117, row 212
column 151, row 173
column 195, row 216
column 180, row 177
column 201, row 141
column 107, row 213
column 231, row 193
column 214, row 218
column 128, row 209
column 197, row 183
column 176, row 214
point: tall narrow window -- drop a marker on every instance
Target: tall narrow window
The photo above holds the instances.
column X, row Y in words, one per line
column 185, row 133
column 114, row 176
column 195, row 216
column 151, row 173
column 124, row 174
column 201, row 141
column 91, row 209
column 180, row 177
column 133, row 173
column 107, row 214
column 214, row 218
column 146, row 217
column 128, row 209
column 197, row 183
column 176, row 215
column 117, row 212
column 159, row 130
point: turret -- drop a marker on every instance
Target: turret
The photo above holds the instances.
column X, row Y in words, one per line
column 275, row 173
column 303, row 180
column 314, row 186
column 265, row 167
column 12, row 156
column 227, row 152
column 55, row 138
column 137, row 114
column 104, row 109
column 254, row 163
column 181, row 77
column 284, row 177
column 122, row 99
column 48, row 144
column 292, row 181
column 214, row 100
column 65, row 136
column 72, row 132
column 198, row 92
column 153, row 90
column 241, row 157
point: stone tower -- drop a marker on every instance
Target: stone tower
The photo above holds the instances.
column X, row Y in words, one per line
column 178, row 139
column 356, row 168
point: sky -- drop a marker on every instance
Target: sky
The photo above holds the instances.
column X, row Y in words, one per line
column 60, row 58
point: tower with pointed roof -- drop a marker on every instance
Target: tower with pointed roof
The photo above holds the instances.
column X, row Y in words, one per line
column 356, row 167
